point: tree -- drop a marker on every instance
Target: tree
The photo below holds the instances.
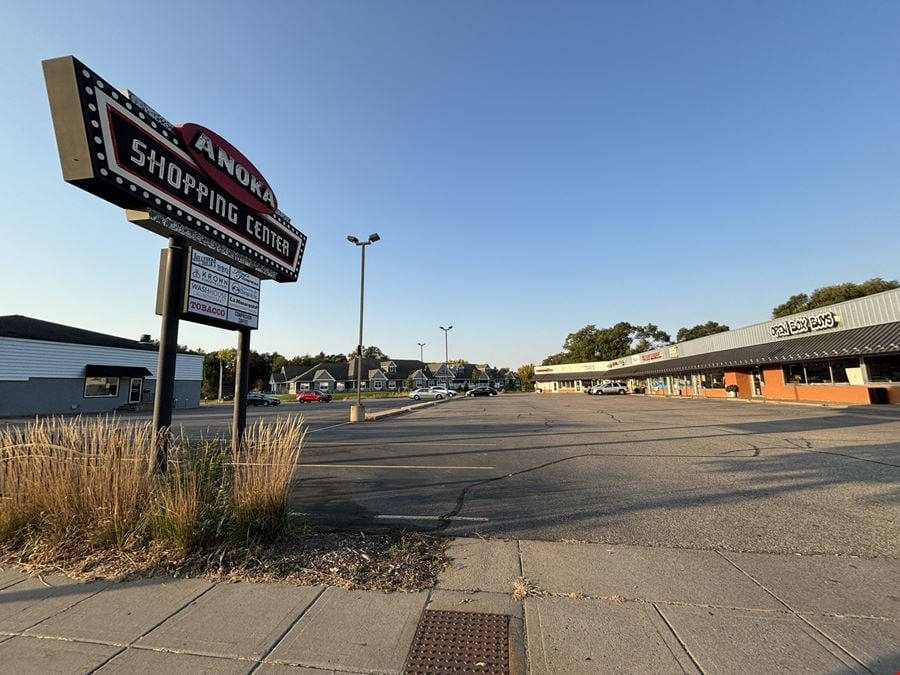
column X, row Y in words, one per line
column 829, row 295
column 278, row 362
column 794, row 304
column 700, row 330
column 209, row 388
column 526, row 376
column 648, row 337
column 605, row 344
column 370, row 352
column 555, row 359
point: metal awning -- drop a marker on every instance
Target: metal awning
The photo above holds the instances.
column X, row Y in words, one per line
column 871, row 340
column 98, row 370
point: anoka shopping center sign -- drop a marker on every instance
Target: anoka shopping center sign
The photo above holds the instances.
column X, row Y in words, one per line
column 175, row 180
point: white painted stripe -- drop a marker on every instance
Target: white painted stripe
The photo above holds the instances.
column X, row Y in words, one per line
column 333, row 426
column 327, row 444
column 385, row 516
column 395, row 466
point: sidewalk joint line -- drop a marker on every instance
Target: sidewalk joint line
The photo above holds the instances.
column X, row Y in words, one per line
column 793, row 611
column 192, row 599
column 678, row 640
column 277, row 641
column 101, row 665
column 66, row 609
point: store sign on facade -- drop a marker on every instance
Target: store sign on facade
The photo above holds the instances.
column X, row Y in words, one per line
column 192, row 182
column 804, row 324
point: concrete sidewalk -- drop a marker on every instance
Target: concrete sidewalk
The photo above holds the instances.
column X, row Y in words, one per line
column 591, row 608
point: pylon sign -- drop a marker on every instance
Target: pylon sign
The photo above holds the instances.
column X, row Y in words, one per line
column 181, row 180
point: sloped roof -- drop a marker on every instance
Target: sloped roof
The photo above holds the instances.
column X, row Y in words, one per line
column 27, row 328
column 337, row 370
column 293, row 371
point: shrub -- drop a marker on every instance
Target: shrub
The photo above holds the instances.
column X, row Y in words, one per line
column 89, row 483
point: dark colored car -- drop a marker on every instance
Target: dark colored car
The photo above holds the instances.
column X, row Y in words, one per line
column 313, row 397
column 482, row 390
column 255, row 398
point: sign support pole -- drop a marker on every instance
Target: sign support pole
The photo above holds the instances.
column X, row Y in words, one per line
column 173, row 290
column 241, row 385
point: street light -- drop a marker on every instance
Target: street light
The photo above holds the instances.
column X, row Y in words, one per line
column 421, row 358
column 357, row 412
column 446, row 330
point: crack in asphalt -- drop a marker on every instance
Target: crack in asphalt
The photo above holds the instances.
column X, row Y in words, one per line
column 808, row 447
column 447, row 518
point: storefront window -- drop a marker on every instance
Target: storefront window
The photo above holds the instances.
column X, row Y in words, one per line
column 101, row 386
column 819, row 372
column 712, row 379
column 883, row 368
column 839, row 369
column 794, row 373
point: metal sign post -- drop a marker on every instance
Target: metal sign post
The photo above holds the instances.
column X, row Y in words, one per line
column 173, row 289
column 242, row 385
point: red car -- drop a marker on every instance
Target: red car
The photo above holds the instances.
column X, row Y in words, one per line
column 313, row 397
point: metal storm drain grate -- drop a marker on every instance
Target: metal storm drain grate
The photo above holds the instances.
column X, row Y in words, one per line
column 459, row 642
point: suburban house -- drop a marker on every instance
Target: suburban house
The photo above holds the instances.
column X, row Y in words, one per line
column 50, row 368
column 387, row 375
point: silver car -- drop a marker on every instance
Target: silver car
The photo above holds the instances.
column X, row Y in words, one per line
column 610, row 388
column 430, row 393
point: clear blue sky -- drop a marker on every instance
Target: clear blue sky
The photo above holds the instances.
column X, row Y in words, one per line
column 531, row 167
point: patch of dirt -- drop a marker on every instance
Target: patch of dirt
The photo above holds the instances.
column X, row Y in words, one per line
column 353, row 560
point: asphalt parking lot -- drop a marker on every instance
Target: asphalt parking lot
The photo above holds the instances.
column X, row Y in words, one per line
column 724, row 475
column 626, row 469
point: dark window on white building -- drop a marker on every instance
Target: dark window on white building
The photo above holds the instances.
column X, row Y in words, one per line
column 883, row 368
column 97, row 387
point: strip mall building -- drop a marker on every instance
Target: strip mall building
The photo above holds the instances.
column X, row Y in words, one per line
column 844, row 353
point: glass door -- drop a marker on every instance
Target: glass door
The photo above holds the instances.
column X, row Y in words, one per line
column 136, row 390
column 756, row 378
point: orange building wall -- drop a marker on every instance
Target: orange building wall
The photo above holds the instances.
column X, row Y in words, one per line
column 776, row 389
column 742, row 380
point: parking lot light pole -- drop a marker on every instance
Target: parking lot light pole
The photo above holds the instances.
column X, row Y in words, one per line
column 421, row 358
column 357, row 412
column 446, row 359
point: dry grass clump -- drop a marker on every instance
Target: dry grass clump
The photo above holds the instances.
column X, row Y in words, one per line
column 262, row 470
column 526, row 588
column 84, row 478
column 90, row 484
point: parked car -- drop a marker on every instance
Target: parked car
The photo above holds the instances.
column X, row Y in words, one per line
column 482, row 390
column 256, row 398
column 433, row 393
column 313, row 397
column 610, row 388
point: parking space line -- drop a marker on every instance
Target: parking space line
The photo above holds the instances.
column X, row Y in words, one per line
column 395, row 466
column 387, row 516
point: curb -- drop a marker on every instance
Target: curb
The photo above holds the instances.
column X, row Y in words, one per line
column 374, row 417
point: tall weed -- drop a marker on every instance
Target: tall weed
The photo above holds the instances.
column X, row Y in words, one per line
column 90, row 483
